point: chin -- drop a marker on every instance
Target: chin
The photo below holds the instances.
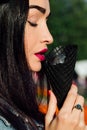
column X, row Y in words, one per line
column 36, row 68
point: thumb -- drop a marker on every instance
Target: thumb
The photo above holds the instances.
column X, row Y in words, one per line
column 51, row 108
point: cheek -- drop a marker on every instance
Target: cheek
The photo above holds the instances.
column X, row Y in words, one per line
column 32, row 60
column 27, row 43
column 28, row 40
column 30, row 45
column 27, row 46
column 30, row 37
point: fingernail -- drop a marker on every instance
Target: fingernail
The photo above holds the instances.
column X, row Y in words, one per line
column 49, row 92
column 74, row 83
column 74, row 88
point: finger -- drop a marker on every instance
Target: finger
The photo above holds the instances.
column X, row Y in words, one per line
column 82, row 121
column 77, row 114
column 70, row 99
column 51, row 109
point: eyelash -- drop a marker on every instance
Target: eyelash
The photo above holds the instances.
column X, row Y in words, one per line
column 32, row 24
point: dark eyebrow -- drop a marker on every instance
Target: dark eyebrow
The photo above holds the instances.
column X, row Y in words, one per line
column 41, row 9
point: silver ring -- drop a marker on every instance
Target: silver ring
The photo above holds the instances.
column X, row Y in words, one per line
column 78, row 107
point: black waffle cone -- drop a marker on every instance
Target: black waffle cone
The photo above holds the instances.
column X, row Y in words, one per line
column 59, row 68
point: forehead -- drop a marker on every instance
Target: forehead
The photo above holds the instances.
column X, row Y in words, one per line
column 41, row 3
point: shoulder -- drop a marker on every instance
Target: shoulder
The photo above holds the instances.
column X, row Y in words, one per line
column 4, row 124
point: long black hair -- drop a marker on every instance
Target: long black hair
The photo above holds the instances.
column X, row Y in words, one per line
column 16, row 83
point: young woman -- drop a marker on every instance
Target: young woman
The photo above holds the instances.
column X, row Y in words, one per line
column 24, row 39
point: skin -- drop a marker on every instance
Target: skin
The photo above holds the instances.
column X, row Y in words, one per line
column 37, row 38
column 67, row 118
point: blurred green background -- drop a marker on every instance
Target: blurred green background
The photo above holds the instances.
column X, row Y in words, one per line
column 68, row 24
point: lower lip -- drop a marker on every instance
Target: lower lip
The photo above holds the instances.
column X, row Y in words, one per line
column 41, row 57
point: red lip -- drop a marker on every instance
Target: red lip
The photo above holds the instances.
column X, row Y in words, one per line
column 41, row 55
column 43, row 51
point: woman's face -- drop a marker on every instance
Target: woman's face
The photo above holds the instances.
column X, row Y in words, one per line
column 37, row 35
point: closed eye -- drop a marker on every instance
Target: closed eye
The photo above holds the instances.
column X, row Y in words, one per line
column 32, row 24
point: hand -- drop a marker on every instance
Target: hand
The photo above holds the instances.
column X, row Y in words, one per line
column 68, row 118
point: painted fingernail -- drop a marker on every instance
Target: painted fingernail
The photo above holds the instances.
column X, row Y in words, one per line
column 74, row 84
column 49, row 92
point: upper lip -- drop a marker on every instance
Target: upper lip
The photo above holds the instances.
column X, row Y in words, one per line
column 42, row 51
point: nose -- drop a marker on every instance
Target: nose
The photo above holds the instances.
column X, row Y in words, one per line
column 46, row 35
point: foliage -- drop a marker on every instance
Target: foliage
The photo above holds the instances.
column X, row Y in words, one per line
column 68, row 24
